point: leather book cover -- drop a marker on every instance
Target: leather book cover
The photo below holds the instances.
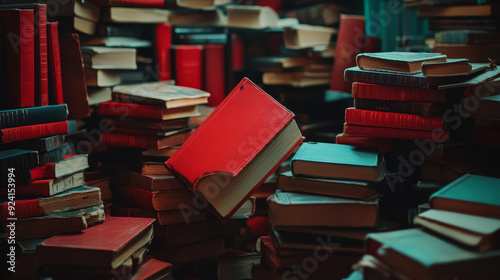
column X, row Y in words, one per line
column 55, row 76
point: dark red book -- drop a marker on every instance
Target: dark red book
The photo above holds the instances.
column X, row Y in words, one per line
column 383, row 145
column 163, row 44
column 41, row 60
column 396, row 93
column 349, row 44
column 69, row 165
column 256, row 121
column 438, row 136
column 155, row 200
column 55, row 84
column 19, row 133
column 405, row 107
column 19, row 51
column 153, row 269
column 188, row 65
column 144, row 141
column 237, row 52
column 50, row 187
column 132, row 3
column 215, row 79
column 145, row 111
column 372, row 44
column 394, row 120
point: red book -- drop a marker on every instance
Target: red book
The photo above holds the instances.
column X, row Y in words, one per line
column 153, row 269
column 69, row 165
column 155, row 200
column 396, row 93
column 255, row 123
column 438, row 136
column 390, row 119
column 188, row 68
column 163, row 44
column 145, row 111
column 19, row 51
column 144, row 141
column 215, row 79
column 19, row 133
column 41, row 60
column 22, row 209
column 237, row 52
column 56, row 87
column 50, row 187
column 132, row 3
column 372, row 44
column 349, row 44
column 383, row 145
column 106, row 245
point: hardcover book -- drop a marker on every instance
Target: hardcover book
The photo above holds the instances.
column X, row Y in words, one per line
column 396, row 93
column 446, row 68
column 41, row 56
column 144, row 141
column 408, row 62
column 55, row 79
column 146, row 111
column 50, row 187
column 14, row 134
column 440, row 136
column 189, row 66
column 109, row 58
column 33, row 115
column 402, row 107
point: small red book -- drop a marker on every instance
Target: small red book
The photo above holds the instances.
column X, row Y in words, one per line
column 383, row 145
column 249, row 135
column 19, row 133
column 55, row 84
column 153, row 269
column 41, row 60
column 438, row 136
column 49, row 187
column 394, row 120
column 396, row 93
column 163, row 44
column 144, row 141
column 188, row 65
column 215, row 80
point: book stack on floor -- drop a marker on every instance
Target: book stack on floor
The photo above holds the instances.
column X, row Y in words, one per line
column 322, row 212
column 459, row 239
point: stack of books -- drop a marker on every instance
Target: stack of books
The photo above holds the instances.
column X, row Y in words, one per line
column 323, row 210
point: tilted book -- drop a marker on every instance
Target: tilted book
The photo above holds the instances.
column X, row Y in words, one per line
column 258, row 134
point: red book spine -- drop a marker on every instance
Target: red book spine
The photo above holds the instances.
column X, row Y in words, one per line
column 130, row 110
column 45, row 171
column 390, row 119
column 372, row 44
column 188, row 68
column 19, row 133
column 163, row 44
column 383, row 145
column 215, row 73
column 56, row 96
column 41, row 61
column 125, row 140
column 237, row 53
column 19, row 48
column 394, row 133
column 396, row 93
column 35, row 189
column 22, row 209
column 349, row 44
column 132, row 3
column 137, row 197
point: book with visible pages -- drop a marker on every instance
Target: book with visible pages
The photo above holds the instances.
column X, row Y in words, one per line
column 203, row 169
column 102, row 77
column 479, row 233
column 109, row 58
column 434, row 257
column 164, row 218
column 144, row 141
column 162, row 94
column 338, row 161
column 107, row 245
column 69, row 165
column 135, row 15
column 305, row 36
column 253, row 17
column 446, row 68
column 201, row 4
column 149, row 182
column 470, row 194
column 153, row 269
column 407, row 62
column 146, row 111
column 301, row 209
column 50, row 187
column 33, row 115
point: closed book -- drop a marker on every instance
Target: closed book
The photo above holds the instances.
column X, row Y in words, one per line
column 188, row 65
column 155, row 200
column 305, row 36
column 300, row 209
column 13, row 134
column 101, row 78
column 470, row 194
column 438, row 136
column 142, row 141
column 50, row 187
column 33, row 115
column 56, row 154
column 327, row 160
column 407, row 62
column 434, row 258
column 150, row 124
column 391, row 119
column 109, row 58
column 192, row 252
column 18, row 159
column 41, row 56
column 446, row 68
column 231, row 170
column 146, row 111
column 215, row 75
column 41, row 145
column 431, row 11
column 54, row 54
column 251, row 16
column 149, row 182
column 69, row 165
column 134, row 15
column 133, row 3
column 396, row 93
column 107, row 245
column 383, row 145
column 153, row 269
column 164, row 218
column 163, row 46
column 19, row 52
column 403, row 107
column 488, row 108
column 287, row 240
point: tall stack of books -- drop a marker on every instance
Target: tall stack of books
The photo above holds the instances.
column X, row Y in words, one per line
column 326, row 206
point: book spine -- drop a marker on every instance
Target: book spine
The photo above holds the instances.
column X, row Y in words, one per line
column 390, row 119
column 136, row 197
column 19, row 162
column 384, row 78
column 163, row 44
column 188, row 66
column 126, row 98
column 137, row 180
column 124, row 140
column 33, row 115
column 396, row 93
column 55, row 155
column 37, row 188
column 130, row 110
column 383, row 145
column 33, row 131
column 45, row 171
column 416, row 108
column 392, row 133
column 41, row 61
column 54, row 64
column 214, row 79
column 23, row 209
column 133, row 3
column 23, row 177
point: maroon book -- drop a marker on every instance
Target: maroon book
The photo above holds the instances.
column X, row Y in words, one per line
column 163, row 44
column 41, row 60
column 188, row 65
column 56, row 87
column 214, row 78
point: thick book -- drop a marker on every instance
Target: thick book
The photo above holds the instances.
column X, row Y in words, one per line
column 149, row 182
column 434, row 258
column 338, row 161
column 478, row 233
column 50, row 187
column 33, row 115
column 251, row 16
column 144, row 141
column 107, row 245
column 446, row 68
column 109, row 58
column 163, row 38
column 396, row 93
column 161, row 94
column 394, row 120
column 439, row 136
column 69, row 165
column 155, row 200
column 54, row 54
column 164, row 218
column 18, row 159
column 41, row 145
column 306, row 36
column 41, row 56
column 19, row 133
column 403, row 107
column 470, row 194
column 215, row 75
column 56, row 154
column 235, row 171
column 301, row 209
column 19, row 52
column 101, row 77
column 407, row 62
column 146, row 111
column 189, row 65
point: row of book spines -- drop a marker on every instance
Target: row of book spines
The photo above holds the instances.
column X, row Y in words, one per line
column 437, row 135
column 20, row 133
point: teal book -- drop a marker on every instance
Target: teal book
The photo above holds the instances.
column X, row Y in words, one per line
column 18, row 159
column 470, row 194
column 33, row 115
column 326, row 160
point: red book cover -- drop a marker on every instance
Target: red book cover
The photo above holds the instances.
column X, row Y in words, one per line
column 50, row 187
column 132, row 3
column 55, row 84
column 214, row 73
column 19, row 133
column 151, row 269
column 395, row 133
column 188, row 66
column 130, row 110
column 237, row 52
column 152, row 200
column 163, row 44
column 21, row 209
column 396, row 93
column 390, row 119
column 143, row 141
column 383, row 145
column 19, row 48
column 349, row 43
column 248, row 120
column 41, row 60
